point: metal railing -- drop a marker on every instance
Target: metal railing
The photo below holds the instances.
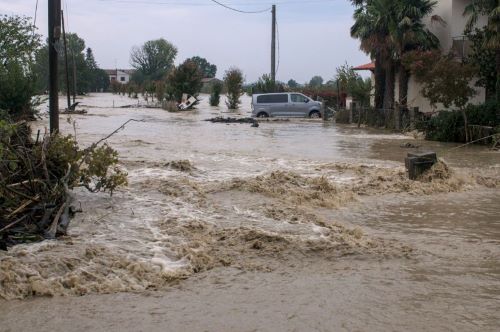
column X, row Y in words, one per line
column 461, row 47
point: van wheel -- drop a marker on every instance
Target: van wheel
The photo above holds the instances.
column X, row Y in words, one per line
column 262, row 115
column 314, row 115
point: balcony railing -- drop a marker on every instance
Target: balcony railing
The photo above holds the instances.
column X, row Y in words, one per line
column 461, row 47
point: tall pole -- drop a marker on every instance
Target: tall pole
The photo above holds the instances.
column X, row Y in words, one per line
column 273, row 47
column 54, row 38
column 74, row 75
column 68, row 94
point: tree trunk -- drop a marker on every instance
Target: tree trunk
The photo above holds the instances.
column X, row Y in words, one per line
column 389, row 85
column 404, row 77
column 379, row 81
column 466, row 125
column 498, row 78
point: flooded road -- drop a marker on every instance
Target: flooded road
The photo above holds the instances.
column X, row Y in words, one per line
column 293, row 226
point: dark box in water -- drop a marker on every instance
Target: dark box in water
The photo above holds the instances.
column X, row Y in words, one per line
column 418, row 162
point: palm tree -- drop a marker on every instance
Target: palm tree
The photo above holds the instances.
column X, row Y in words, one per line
column 490, row 8
column 387, row 30
column 371, row 27
column 411, row 34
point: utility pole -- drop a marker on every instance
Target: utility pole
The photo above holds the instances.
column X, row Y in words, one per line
column 273, row 47
column 66, row 61
column 54, row 38
column 74, row 75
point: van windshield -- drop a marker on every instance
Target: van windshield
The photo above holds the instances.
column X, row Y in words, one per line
column 272, row 99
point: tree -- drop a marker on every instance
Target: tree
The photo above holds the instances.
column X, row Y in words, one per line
column 233, row 80
column 208, row 70
column 316, row 82
column 387, row 29
column 292, row 84
column 153, row 60
column 491, row 32
column 265, row 84
column 18, row 46
column 444, row 80
column 89, row 77
column 186, row 78
column 411, row 34
column 484, row 59
column 354, row 84
column 372, row 34
column 215, row 95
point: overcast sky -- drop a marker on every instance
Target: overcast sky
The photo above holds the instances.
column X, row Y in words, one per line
column 313, row 34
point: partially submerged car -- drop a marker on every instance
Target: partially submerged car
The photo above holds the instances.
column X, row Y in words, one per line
column 286, row 104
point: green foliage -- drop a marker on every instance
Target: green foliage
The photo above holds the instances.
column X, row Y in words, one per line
column 153, row 60
column 160, row 92
column 448, row 126
column 484, row 59
column 89, row 77
column 98, row 170
column 265, row 84
column 388, row 29
column 208, row 70
column 292, row 84
column 354, row 85
column 46, row 171
column 316, row 82
column 233, row 79
column 18, row 44
column 215, row 95
column 444, row 80
column 186, row 78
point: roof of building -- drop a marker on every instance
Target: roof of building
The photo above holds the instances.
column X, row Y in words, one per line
column 368, row 66
column 209, row 79
column 114, row 71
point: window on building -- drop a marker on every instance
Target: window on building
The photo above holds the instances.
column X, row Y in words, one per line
column 122, row 78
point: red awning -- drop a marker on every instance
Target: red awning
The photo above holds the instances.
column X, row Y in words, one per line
column 368, row 66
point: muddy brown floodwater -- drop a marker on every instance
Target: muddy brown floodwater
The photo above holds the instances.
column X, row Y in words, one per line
column 293, row 226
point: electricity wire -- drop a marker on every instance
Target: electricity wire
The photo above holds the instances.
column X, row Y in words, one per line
column 241, row 11
column 216, row 3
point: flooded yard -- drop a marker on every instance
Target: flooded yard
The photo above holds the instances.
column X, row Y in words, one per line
column 296, row 225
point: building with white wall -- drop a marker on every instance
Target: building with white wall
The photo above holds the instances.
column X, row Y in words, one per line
column 121, row 76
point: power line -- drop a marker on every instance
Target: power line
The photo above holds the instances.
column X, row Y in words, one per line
column 216, row 3
column 242, row 11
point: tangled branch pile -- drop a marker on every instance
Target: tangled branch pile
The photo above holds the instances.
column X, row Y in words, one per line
column 36, row 179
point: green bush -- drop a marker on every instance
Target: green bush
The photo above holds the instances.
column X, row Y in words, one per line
column 233, row 80
column 448, row 126
column 18, row 45
column 215, row 95
column 186, row 78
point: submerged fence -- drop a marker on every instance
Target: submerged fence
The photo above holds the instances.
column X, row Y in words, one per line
column 404, row 119
column 397, row 118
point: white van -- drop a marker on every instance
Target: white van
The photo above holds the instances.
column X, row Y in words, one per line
column 287, row 104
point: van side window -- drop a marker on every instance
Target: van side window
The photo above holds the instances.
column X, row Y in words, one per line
column 296, row 98
column 272, row 99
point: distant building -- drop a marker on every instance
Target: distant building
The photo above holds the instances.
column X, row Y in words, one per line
column 121, row 76
column 208, row 83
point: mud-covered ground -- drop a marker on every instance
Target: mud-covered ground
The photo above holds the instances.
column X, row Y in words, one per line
column 293, row 226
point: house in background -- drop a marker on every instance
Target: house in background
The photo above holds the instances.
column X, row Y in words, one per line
column 208, row 84
column 121, row 76
column 452, row 40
